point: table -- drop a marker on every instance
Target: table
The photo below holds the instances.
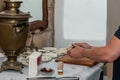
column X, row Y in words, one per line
column 83, row 72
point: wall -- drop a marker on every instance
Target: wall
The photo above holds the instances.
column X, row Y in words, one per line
column 88, row 19
column 113, row 17
column 80, row 20
column 113, row 21
column 34, row 7
column 43, row 38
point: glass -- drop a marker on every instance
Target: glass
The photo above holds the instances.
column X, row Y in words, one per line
column 60, row 68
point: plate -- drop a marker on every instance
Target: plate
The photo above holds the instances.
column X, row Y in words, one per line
column 61, row 51
column 50, row 49
column 24, row 58
column 46, row 57
column 42, row 50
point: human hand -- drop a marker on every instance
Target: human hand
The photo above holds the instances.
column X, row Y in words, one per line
column 76, row 52
column 84, row 45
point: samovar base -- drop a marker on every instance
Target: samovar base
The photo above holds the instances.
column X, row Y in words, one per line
column 17, row 66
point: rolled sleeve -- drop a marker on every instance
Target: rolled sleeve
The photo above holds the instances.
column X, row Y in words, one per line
column 117, row 33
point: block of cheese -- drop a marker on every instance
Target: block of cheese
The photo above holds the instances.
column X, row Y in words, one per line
column 34, row 63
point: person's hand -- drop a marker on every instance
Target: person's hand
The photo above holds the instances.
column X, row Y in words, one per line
column 76, row 52
column 84, row 45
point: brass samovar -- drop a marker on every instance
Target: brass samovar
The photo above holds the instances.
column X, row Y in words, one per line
column 14, row 27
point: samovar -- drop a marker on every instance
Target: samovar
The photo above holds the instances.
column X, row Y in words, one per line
column 14, row 27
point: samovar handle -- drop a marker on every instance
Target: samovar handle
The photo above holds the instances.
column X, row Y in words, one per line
column 19, row 26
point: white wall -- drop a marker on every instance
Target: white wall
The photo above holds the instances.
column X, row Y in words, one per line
column 80, row 20
column 34, row 7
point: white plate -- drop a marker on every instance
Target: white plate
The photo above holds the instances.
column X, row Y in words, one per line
column 46, row 57
column 61, row 51
column 2, row 55
column 41, row 50
column 49, row 48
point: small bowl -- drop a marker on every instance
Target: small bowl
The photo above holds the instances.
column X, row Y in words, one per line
column 46, row 72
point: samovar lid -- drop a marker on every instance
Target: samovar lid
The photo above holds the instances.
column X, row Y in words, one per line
column 12, row 10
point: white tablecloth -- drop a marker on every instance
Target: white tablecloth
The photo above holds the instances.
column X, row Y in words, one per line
column 83, row 72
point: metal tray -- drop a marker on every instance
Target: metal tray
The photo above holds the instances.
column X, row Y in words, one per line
column 42, row 78
column 54, row 78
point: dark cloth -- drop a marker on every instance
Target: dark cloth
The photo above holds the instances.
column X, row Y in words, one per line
column 116, row 70
column 116, row 63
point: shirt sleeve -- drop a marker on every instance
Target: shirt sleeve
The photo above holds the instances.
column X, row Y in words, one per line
column 117, row 33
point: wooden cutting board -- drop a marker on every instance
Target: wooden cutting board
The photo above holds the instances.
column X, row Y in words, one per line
column 81, row 61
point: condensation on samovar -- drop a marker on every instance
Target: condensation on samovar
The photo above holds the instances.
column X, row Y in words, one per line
column 14, row 27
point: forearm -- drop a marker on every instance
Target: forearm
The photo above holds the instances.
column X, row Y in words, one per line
column 108, row 53
column 99, row 54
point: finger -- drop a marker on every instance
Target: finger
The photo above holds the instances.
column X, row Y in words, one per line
column 75, row 46
column 79, row 44
column 69, row 51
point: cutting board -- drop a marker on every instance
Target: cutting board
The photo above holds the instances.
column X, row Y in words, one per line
column 82, row 61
